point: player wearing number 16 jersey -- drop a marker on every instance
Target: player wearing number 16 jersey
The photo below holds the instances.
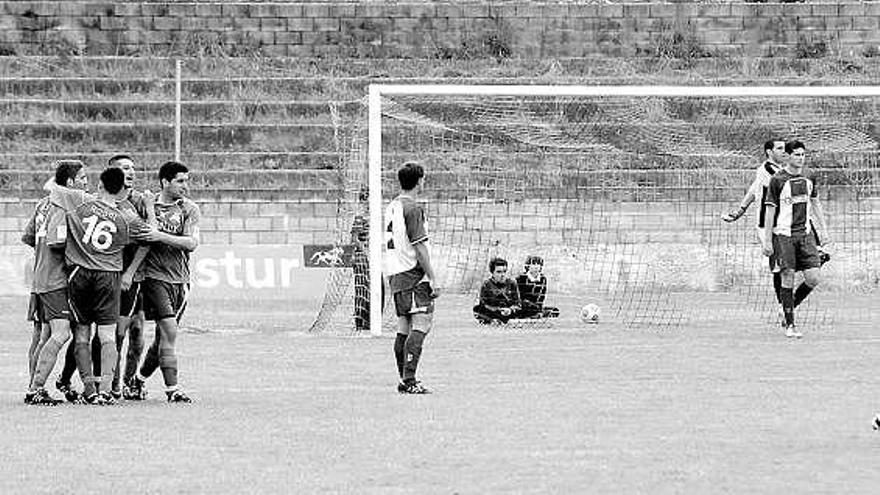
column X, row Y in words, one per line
column 97, row 232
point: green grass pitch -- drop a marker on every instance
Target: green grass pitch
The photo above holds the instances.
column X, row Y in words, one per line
column 724, row 408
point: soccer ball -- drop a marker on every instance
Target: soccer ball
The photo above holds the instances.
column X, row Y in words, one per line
column 590, row 313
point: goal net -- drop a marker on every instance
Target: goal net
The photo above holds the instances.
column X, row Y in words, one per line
column 620, row 191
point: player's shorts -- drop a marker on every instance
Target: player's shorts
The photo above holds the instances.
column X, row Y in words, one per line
column 52, row 305
column 94, row 296
column 131, row 301
column 417, row 303
column 797, row 252
column 164, row 299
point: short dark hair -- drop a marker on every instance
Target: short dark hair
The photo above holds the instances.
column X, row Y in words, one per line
column 116, row 158
column 768, row 145
column 66, row 170
column 113, row 179
column 534, row 260
column 495, row 263
column 409, row 175
column 169, row 170
column 793, row 145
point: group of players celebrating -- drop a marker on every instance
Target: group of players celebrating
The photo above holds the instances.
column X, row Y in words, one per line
column 105, row 263
column 790, row 225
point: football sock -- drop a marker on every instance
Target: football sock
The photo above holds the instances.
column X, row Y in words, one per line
column 801, row 293
column 83, row 355
column 777, row 286
column 399, row 355
column 69, row 364
column 413, row 351
column 133, row 356
column 46, row 362
column 151, row 360
column 108, row 357
column 96, row 355
column 168, row 365
column 788, row 304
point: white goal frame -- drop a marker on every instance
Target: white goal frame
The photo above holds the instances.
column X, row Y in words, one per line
column 377, row 91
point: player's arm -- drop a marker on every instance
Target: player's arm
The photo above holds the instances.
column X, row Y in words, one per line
column 189, row 238
column 517, row 300
column 29, row 236
column 744, row 203
column 542, row 292
column 819, row 217
column 128, row 275
column 65, row 197
column 424, row 260
column 414, row 220
column 486, row 300
column 770, row 204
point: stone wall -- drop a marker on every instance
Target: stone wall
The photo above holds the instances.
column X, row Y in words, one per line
column 440, row 29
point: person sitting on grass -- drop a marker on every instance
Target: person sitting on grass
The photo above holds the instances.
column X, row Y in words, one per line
column 532, row 285
column 499, row 296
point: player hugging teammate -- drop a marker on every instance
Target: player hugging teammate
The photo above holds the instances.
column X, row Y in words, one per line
column 104, row 239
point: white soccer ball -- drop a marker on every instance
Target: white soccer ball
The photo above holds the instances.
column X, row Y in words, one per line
column 590, row 313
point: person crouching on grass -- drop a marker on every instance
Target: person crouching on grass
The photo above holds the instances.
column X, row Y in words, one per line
column 499, row 296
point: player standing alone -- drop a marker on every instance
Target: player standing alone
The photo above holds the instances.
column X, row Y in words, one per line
column 794, row 210
column 166, row 278
column 411, row 275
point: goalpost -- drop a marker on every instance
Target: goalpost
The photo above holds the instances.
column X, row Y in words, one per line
column 566, row 164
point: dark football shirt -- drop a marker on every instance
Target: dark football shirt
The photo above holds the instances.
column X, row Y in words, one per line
column 168, row 263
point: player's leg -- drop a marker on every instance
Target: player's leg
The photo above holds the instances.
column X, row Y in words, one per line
column 422, row 321
column 127, row 311
column 68, row 369
column 157, row 305
column 96, row 355
column 809, row 261
column 36, row 329
column 81, row 288
column 485, row 315
column 165, row 303
column 105, row 298
column 82, row 336
column 59, row 334
column 107, row 336
column 56, row 311
column 784, row 251
column 135, row 350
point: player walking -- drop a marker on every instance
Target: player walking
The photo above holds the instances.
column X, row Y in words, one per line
column 411, row 275
column 166, row 278
column 793, row 211
column 775, row 156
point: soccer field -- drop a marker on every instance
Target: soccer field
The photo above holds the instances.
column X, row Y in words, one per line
column 711, row 409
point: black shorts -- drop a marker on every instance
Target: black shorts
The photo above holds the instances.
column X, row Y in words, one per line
column 52, row 305
column 164, row 299
column 797, row 252
column 131, row 301
column 417, row 300
column 94, row 296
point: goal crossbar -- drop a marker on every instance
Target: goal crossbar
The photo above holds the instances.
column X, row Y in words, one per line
column 377, row 91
